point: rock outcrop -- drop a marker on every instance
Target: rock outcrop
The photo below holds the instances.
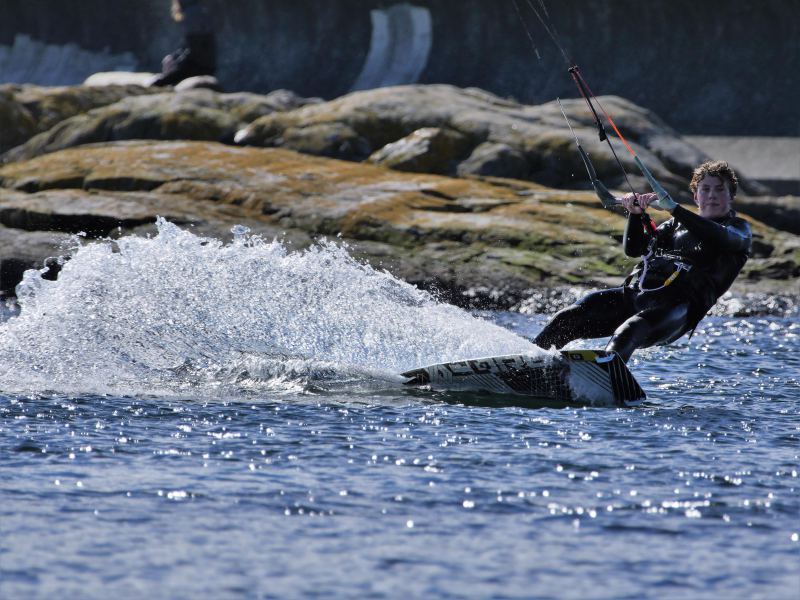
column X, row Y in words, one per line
column 26, row 110
column 451, row 189
column 195, row 114
column 479, row 133
column 488, row 242
column 434, row 129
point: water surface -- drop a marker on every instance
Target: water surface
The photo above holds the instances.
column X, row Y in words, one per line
column 181, row 418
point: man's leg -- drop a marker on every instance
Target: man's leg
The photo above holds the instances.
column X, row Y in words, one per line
column 594, row 316
column 648, row 328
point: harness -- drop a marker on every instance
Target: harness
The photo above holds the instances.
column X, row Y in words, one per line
column 679, row 265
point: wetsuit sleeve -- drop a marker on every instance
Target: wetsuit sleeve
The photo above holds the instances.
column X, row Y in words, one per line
column 635, row 239
column 736, row 236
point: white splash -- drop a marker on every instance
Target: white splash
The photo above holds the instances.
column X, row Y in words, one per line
column 159, row 315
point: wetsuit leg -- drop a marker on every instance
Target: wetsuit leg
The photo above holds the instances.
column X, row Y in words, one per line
column 597, row 315
column 649, row 327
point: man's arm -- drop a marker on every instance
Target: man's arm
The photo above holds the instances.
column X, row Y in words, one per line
column 735, row 237
column 635, row 238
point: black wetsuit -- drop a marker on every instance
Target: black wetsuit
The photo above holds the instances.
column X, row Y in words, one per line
column 661, row 306
column 198, row 55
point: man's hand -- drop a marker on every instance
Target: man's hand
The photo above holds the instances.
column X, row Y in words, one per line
column 664, row 203
column 643, row 200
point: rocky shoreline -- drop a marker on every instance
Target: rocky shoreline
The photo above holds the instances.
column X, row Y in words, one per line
column 454, row 190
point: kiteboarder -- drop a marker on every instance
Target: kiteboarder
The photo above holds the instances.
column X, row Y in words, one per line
column 197, row 55
column 688, row 262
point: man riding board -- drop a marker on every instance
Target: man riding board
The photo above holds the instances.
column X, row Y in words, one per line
column 688, row 263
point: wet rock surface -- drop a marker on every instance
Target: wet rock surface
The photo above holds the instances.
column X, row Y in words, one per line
column 487, row 242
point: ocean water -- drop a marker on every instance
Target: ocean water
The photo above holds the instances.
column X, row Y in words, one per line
column 183, row 418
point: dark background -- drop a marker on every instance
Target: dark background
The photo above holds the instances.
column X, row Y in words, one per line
column 707, row 67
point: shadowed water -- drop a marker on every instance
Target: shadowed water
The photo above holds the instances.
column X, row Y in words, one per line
column 180, row 418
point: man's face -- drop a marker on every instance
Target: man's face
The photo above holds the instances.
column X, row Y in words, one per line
column 713, row 197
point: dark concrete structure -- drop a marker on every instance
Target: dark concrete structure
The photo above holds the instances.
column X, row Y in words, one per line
column 715, row 67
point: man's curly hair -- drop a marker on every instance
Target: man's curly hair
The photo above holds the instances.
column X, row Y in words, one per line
column 715, row 168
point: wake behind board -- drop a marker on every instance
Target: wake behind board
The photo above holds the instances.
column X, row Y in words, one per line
column 592, row 377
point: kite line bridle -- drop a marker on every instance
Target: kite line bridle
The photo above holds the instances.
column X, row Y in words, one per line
column 603, row 194
column 606, row 197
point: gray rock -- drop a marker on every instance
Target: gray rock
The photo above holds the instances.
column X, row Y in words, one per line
column 16, row 122
column 495, row 160
column 26, row 110
column 204, row 82
column 538, row 134
column 22, row 250
column 195, row 114
column 335, row 140
column 426, row 150
column 478, row 242
column 782, row 213
column 74, row 211
column 532, row 142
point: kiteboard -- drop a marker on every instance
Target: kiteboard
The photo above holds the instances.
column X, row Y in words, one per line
column 588, row 377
